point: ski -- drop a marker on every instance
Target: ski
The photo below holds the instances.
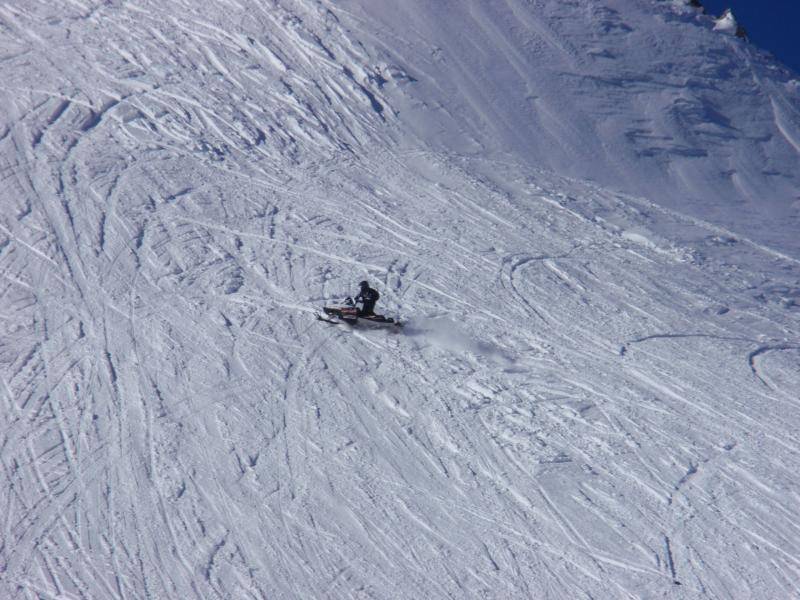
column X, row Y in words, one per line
column 353, row 321
column 335, row 322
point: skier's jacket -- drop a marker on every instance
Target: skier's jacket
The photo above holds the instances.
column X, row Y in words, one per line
column 368, row 297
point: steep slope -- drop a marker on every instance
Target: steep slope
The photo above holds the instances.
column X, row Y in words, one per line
column 595, row 393
column 639, row 95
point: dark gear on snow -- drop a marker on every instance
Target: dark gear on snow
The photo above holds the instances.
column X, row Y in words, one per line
column 368, row 297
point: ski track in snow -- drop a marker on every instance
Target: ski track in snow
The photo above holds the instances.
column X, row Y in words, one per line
column 578, row 405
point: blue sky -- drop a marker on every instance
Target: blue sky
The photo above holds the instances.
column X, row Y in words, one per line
column 773, row 25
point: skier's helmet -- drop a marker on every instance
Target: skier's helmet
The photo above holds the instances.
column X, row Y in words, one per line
column 363, row 285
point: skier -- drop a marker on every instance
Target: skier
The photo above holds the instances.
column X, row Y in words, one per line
column 368, row 297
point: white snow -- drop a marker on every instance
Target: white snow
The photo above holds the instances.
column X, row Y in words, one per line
column 586, row 213
column 727, row 23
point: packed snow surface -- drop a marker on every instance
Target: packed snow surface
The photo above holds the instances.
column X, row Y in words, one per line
column 585, row 212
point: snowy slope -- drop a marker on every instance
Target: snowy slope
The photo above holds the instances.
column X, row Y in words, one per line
column 638, row 95
column 584, row 211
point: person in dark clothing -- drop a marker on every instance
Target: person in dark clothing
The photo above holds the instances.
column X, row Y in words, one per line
column 368, row 297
